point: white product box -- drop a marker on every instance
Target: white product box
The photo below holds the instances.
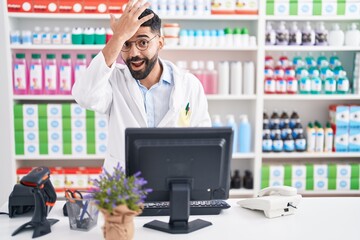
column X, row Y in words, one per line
column 340, row 117
column 281, row 7
column 354, row 141
column 299, row 184
column 298, row 172
column 78, row 124
column 320, row 184
column 31, row 136
column 101, row 148
column 77, row 111
column 54, row 111
column 342, row 184
column 320, row 171
column 276, row 172
column 101, row 124
column 31, row 149
column 78, row 137
column 101, row 137
column 352, row 8
column 55, row 148
column 305, row 8
column 54, row 124
column 58, row 180
column 55, row 137
column 354, row 118
column 343, row 171
column 78, row 148
column 276, row 182
column 30, row 111
column 329, row 8
column 77, row 181
column 31, row 124
column 341, row 141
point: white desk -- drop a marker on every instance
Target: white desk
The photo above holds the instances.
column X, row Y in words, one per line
column 316, row 218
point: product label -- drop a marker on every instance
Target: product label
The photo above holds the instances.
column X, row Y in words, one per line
column 46, row 38
column 274, row 132
column 66, row 38
column 267, row 145
column 79, row 71
column 300, row 144
column 270, row 86
column 35, row 77
column 330, row 85
column 289, row 145
column 305, row 85
column 36, row 38
column 343, row 85
column 65, row 78
column 281, row 86
column 316, row 85
column 50, row 77
column 19, row 77
column 56, row 38
column 277, row 145
column 292, row 86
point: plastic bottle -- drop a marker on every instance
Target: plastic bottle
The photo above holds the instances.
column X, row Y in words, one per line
column 65, row 75
column 336, row 36
column 268, row 71
column 285, row 130
column 321, row 35
column 297, row 129
column 37, row 35
column 269, row 61
column 343, row 84
column 300, row 143
column 352, row 36
column 236, row 180
column 278, row 144
column 244, row 135
column 231, row 123
column 266, row 118
column 108, row 35
column 308, row 35
column 228, row 37
column 266, row 129
column 289, row 71
column 311, row 137
column 319, row 144
column 213, row 37
column 77, row 36
column 207, row 38
column 36, row 75
column 194, row 69
column 282, row 34
column 46, row 36
column 275, row 129
column 329, row 138
column 248, row 180
column 244, row 37
column 289, row 143
column 88, row 35
column 211, row 78
column 236, row 78
column 56, row 36
column 80, row 66
column 249, row 78
column 237, row 37
column 221, row 37
column 100, row 35
column 270, row 85
column 216, row 121
column 50, row 74
column 295, row 35
column 15, row 37
column 66, row 36
column 280, row 84
column 291, row 85
column 267, row 143
column 279, row 71
column 26, row 37
column 224, row 78
column 199, row 38
column 284, row 119
column 189, row 7
column 270, row 35
column 334, row 61
column 274, row 119
column 180, row 7
column 20, row 78
column 330, row 83
column 294, row 119
column 316, row 84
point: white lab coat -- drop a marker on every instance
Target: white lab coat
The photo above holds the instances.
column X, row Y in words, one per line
column 113, row 91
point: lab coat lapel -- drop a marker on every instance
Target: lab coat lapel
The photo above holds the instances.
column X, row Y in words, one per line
column 135, row 98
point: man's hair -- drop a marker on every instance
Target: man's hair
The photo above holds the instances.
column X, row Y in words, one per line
column 154, row 23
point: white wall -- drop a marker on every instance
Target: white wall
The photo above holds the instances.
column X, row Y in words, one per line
column 7, row 166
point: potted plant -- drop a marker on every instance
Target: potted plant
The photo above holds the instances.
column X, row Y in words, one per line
column 120, row 199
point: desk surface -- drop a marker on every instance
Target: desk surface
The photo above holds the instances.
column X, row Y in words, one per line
column 316, row 218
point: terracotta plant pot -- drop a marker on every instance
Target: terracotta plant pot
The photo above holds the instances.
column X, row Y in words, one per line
column 119, row 225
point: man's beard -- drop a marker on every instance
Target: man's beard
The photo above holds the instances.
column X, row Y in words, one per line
column 149, row 65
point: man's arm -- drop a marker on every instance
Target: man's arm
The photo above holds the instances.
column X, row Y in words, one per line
column 124, row 28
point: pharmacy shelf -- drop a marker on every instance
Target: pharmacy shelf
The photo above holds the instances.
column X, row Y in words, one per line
column 242, row 192
column 43, row 98
column 330, row 193
column 311, row 97
column 105, row 16
column 311, row 48
column 59, row 157
column 306, row 155
column 230, row 97
column 101, row 46
column 243, row 155
column 312, row 18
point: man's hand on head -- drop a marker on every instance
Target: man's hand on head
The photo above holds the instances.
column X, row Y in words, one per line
column 128, row 24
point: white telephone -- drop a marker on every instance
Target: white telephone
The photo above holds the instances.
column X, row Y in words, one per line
column 274, row 201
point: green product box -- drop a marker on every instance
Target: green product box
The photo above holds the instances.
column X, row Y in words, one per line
column 332, row 171
column 309, row 184
column 19, row 148
column 354, row 183
column 265, row 173
column 19, row 137
column 66, row 124
column 90, row 137
column 91, row 148
column 355, row 170
column 43, row 143
column 288, row 172
column 18, row 111
column 67, row 136
column 42, row 110
column 310, row 171
column 264, row 184
column 288, row 182
column 66, row 110
column 18, row 124
column 331, row 184
column 67, row 148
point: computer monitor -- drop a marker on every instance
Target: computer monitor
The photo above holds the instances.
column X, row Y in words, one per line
column 181, row 164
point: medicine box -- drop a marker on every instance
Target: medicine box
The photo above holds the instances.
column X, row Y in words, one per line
column 55, row 136
column 77, row 111
column 320, row 184
column 298, row 172
column 78, row 137
column 352, row 8
column 320, row 170
column 354, row 118
column 101, row 148
column 305, row 8
column 354, row 140
column 340, row 117
column 55, row 148
column 27, row 124
column 329, row 8
column 54, row 111
column 276, row 172
column 299, row 184
column 31, row 149
column 78, row 148
column 78, row 124
column 341, row 141
column 54, row 124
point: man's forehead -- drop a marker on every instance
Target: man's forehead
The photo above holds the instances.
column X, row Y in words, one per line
column 143, row 32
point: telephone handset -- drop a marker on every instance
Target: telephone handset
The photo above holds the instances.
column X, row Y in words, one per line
column 278, row 190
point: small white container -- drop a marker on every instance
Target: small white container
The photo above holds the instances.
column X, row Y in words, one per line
column 171, row 29
column 171, row 41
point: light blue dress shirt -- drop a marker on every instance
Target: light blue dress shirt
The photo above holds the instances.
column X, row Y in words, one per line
column 157, row 98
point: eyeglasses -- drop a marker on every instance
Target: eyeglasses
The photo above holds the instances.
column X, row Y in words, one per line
column 141, row 44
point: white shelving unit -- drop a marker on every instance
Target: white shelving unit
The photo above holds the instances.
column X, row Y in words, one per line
column 310, row 107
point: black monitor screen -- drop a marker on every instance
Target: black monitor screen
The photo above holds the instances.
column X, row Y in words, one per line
column 197, row 157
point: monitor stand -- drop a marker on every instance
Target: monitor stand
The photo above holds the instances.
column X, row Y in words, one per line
column 179, row 212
